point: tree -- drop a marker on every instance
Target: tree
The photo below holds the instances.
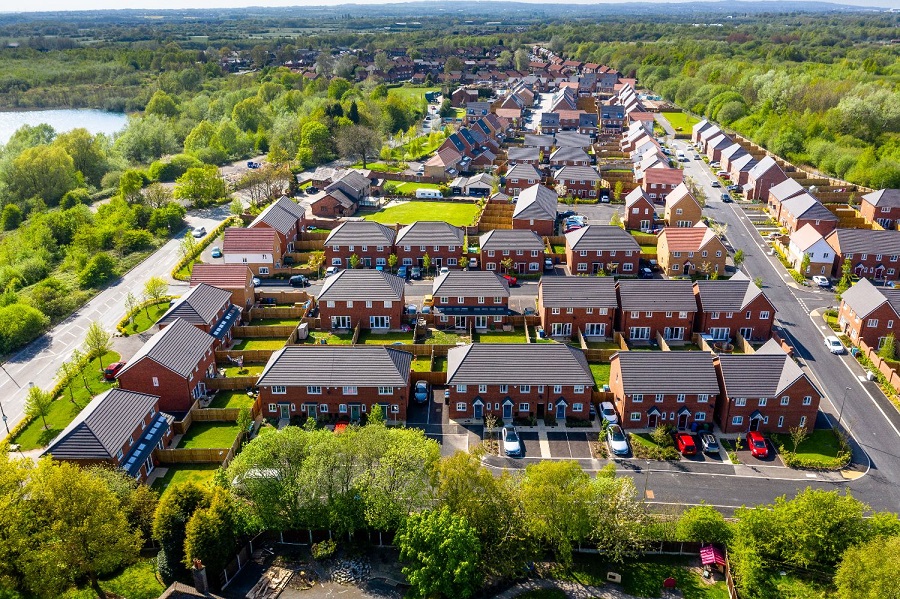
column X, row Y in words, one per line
column 846, row 277
column 88, row 152
column 317, row 139
column 236, row 208
column 867, row 571
column 201, row 185
column 804, row 263
column 37, row 404
column 11, row 217
column 738, row 257
column 265, row 184
column 155, row 289
column 522, row 59
column 170, row 521
column 426, row 262
column 507, row 264
column 161, row 104
column 324, row 64
column 617, row 191
column 798, row 436
column 130, row 185
column 358, row 142
column 382, row 62
column 46, row 172
column 65, row 375
column 452, row 64
column 616, row 219
column 354, row 261
column 20, row 324
column 157, row 195
column 210, row 532
column 244, row 422
column 703, row 524
column 316, row 260
column 696, row 190
column 620, row 517
column 376, row 416
column 392, row 261
column 146, row 139
column 442, row 553
column 97, row 341
column 80, row 361
column 99, row 269
column 887, row 349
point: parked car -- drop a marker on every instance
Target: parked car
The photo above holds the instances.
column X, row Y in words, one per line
column 604, row 197
column 733, row 188
column 822, row 281
column 256, row 282
column 617, row 441
column 684, row 443
column 298, row 281
column 548, row 264
column 216, row 252
column 709, row 443
column 415, row 272
column 645, row 273
column 512, row 446
column 757, row 444
column 251, row 164
column 714, row 165
column 331, row 270
column 444, row 270
column 428, row 300
column 511, row 280
column 403, row 272
column 566, row 214
column 834, row 345
column 412, row 309
column 473, row 263
column 715, row 184
column 312, row 189
column 112, row 370
column 198, row 233
column 421, row 393
column 608, row 412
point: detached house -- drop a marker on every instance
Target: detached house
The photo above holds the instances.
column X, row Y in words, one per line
column 209, row 309
column 371, row 242
column 536, row 210
column 442, row 242
column 657, row 388
column 658, row 182
column 572, row 156
column 640, row 213
column 734, row 307
column 372, row 299
column 335, row 382
column 872, row 254
column 579, row 181
column 569, row 304
column 117, row 428
column 781, row 192
column 685, row 250
column 882, row 207
column 656, row 306
column 517, row 381
column 284, row 216
column 606, row 248
column 682, row 209
column 525, row 249
column 524, row 155
column 806, row 241
column 236, row 279
column 520, row 177
column 342, row 197
column 869, row 313
column 258, row 249
column 765, row 391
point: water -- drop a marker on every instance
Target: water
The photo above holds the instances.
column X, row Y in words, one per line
column 62, row 120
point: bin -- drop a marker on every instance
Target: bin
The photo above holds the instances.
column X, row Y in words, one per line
column 870, row 376
column 854, row 351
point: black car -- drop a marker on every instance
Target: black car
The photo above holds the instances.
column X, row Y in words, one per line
column 299, row 281
column 726, row 198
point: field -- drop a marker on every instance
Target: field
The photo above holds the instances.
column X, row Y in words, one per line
column 412, row 186
column 681, row 119
column 209, row 435
column 455, row 213
column 411, row 92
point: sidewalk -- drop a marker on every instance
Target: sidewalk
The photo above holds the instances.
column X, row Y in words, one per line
column 571, row 589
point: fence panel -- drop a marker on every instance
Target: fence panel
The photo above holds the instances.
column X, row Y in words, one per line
column 264, row 332
column 249, row 355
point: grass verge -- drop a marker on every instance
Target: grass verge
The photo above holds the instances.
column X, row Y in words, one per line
column 821, row 450
column 147, row 317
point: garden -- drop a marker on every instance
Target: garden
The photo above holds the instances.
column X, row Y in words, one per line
column 147, row 317
column 681, row 120
column 261, row 343
column 600, row 371
column 231, row 399
column 821, row 449
column 458, row 214
column 209, row 435
column 329, row 338
column 201, row 474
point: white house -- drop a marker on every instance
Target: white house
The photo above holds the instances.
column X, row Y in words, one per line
column 807, row 240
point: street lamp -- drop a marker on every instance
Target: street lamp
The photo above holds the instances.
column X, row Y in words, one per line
column 843, row 401
column 646, row 479
column 3, row 413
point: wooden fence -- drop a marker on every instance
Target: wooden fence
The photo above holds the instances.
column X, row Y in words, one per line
column 884, row 367
column 198, row 455
column 277, row 312
column 282, row 331
column 231, row 383
column 432, row 378
column 217, row 414
column 283, row 296
column 249, row 355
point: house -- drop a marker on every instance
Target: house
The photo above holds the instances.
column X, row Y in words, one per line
column 868, row 313
column 571, row 156
column 335, row 204
column 372, row 243
column 549, row 124
column 872, row 254
column 882, row 207
column 544, row 143
column 258, row 249
column 478, row 186
column 209, row 309
column 612, row 116
column 640, row 213
column 586, row 304
column 476, row 110
column 765, row 175
column 734, row 307
column 462, row 96
column 716, row 145
column 470, row 299
column 682, row 209
column 440, row 241
column 523, row 155
column 237, row 279
column 335, row 382
column 518, row 381
column 523, row 248
column 739, row 169
column 806, row 241
column 648, row 307
column 536, row 210
column 781, row 192
column 370, row 299
column 579, row 181
column 658, row 182
column 657, row 388
column 602, row 248
column 285, row 217
column 698, row 128
column 172, row 365
column 353, row 185
column 708, row 134
column 118, row 428
column 572, row 139
column 765, row 391
column 729, row 155
column 443, row 160
column 520, row 177
column 804, row 209
column 686, row 250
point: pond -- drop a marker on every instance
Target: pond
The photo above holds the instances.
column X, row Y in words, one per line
column 95, row 121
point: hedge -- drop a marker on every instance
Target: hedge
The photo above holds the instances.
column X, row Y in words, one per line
column 198, row 249
column 145, row 304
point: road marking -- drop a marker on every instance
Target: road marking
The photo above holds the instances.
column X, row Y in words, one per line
column 810, row 475
column 544, row 444
column 649, row 494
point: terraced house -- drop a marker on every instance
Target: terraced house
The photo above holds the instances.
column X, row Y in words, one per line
column 524, row 249
column 605, row 248
column 369, row 241
column 580, row 181
column 470, row 299
column 872, row 254
column 656, row 306
column 570, row 304
column 372, row 299
column 442, row 242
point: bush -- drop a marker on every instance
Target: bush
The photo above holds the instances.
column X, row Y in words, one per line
column 74, row 198
column 20, row 324
column 11, row 217
column 323, row 549
column 167, row 171
column 99, row 269
column 134, row 240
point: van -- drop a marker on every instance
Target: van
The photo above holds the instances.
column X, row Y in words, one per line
column 428, row 194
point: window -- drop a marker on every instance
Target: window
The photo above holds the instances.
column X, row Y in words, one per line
column 676, row 267
column 155, row 382
column 660, row 397
column 554, row 310
column 740, row 401
column 380, row 248
column 582, row 253
column 368, row 303
column 540, row 388
column 314, row 390
column 480, row 300
column 803, row 421
column 648, row 314
column 421, row 248
column 498, row 319
column 763, row 401
column 525, row 389
column 579, row 389
column 388, row 304
column 635, row 416
column 864, row 257
column 349, row 390
column 263, row 270
column 627, row 267
column 780, row 421
column 329, row 304
column 451, row 261
column 351, row 248
column 385, row 390
column 342, row 408
column 702, row 398
column 444, row 300
column 785, row 400
column 498, row 300
column 714, row 315
column 637, row 398
column 582, row 266
column 459, row 299
column 272, row 407
column 680, row 398
column 749, row 314
column 504, row 388
column 700, row 416
column 557, row 388
column 807, row 401
column 460, row 388
column 405, row 248
column 570, row 310
column 872, row 322
column 737, row 420
column 718, row 253
column 407, row 262
column 461, row 407
column 506, row 252
column 323, row 408
column 682, row 315
column 335, row 261
column 676, row 254
column 279, row 389
column 349, row 303
column 703, row 254
column 534, row 253
column 523, row 407
column 395, row 409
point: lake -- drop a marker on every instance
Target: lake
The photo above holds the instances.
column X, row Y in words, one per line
column 62, row 120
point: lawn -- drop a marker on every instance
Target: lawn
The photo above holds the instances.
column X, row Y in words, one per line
column 406, row 93
column 820, row 445
column 232, row 399
column 412, row 186
column 649, row 249
column 603, row 345
column 137, row 581
column 681, row 119
column 249, row 344
column 558, row 249
column 456, row 213
column 318, row 337
column 440, row 364
column 246, row 370
column 206, row 435
column 201, row 474
column 601, row 374
column 275, row 322
column 369, row 338
column 501, row 337
column 147, row 317
column 63, row 410
column 437, row 337
column 421, row 364
column 383, row 167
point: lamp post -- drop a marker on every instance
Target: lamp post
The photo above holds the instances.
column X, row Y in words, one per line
column 843, row 401
column 2, row 412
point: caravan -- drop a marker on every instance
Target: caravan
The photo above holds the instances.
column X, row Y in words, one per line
column 431, row 194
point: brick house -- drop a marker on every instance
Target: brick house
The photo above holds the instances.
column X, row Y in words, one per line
column 806, row 241
column 524, row 155
column 549, row 124
column 658, row 182
column 882, row 207
column 716, row 145
column 119, row 429
column 739, row 168
column 657, row 388
column 335, row 382
column 335, row 204
column 602, row 247
column 698, row 128
column 477, row 299
column 443, row 159
column 872, row 254
column 729, row 155
column 285, row 217
column 686, row 250
column 802, row 210
column 682, row 209
column 781, row 192
column 640, row 213
column 209, row 309
column 258, row 249
column 869, row 313
column 765, row 175
column 524, row 248
column 765, row 391
column 544, row 143
column 372, row 299
column 517, row 381
column 571, row 156
column 580, row 181
column 172, row 365
column 568, row 304
column 237, row 279
column 708, row 134
column 536, row 210
column 651, row 306
column 520, row 177
column 442, row 242
column 371, row 242
column 734, row 307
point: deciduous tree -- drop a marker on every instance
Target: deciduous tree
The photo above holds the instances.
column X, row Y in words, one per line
column 201, row 185
column 38, row 404
column 97, row 341
column 358, row 142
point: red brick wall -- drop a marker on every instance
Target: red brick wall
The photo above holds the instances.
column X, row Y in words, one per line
column 824, row 227
column 657, row 322
column 574, row 258
column 668, row 408
column 521, row 264
column 646, row 211
column 578, row 318
column 544, row 228
column 727, row 409
column 762, row 328
column 439, row 257
column 585, row 190
column 884, row 314
column 334, row 397
column 870, row 263
column 330, row 208
column 872, row 213
column 493, row 398
column 359, row 313
column 174, row 391
column 371, row 252
column 761, row 186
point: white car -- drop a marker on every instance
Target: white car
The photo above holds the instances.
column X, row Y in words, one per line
column 444, row 270
column 834, row 345
column 617, row 441
column 331, row 270
column 608, row 412
column 511, row 444
column 822, row 281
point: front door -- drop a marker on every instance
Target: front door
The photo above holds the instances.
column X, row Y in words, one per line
column 284, row 410
column 459, row 322
column 653, row 420
column 540, row 411
column 367, row 262
column 354, row 412
column 595, row 267
column 481, row 322
column 507, row 411
column 560, row 411
column 479, row 411
column 754, row 424
column 682, row 420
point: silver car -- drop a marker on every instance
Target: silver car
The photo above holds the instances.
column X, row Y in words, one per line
column 609, row 412
column 512, row 446
column 617, row 441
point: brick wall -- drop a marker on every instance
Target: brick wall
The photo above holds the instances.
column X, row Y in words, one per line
column 360, row 312
column 299, row 400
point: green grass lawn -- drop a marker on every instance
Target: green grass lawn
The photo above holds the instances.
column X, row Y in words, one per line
column 246, row 370
column 456, row 213
column 317, row 337
column 213, row 435
column 63, row 410
column 406, row 93
column 412, row 186
column 384, row 167
column 459, row 113
column 147, row 317
column 232, row 399
column 259, row 344
column 501, row 337
column 201, row 474
column 649, row 249
column 558, row 249
column 821, row 444
column 440, row 364
column 601, row 374
column 437, row 337
column 421, row 364
column 274, row 322
column 681, row 119
column 370, row 338
column 685, row 347
column 137, row 581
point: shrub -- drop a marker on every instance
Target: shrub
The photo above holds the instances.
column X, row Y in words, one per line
column 20, row 324
column 134, row 241
column 99, row 269
column 323, row 549
column 11, row 217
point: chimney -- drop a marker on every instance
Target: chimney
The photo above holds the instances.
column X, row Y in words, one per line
column 199, row 574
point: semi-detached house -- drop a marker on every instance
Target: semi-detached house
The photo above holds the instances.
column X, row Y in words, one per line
column 369, row 241
column 606, row 248
column 372, row 299
column 648, row 307
column 872, row 254
column 520, row 177
column 570, row 304
column 237, row 279
column 285, row 217
column 524, row 249
column 882, row 207
column 209, row 309
column 580, row 181
column 734, row 307
column 869, row 313
column 470, row 299
column 259, row 249
column 442, row 242
column 536, row 210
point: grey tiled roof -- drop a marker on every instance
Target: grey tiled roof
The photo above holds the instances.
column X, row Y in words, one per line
column 473, row 283
column 528, row 172
column 807, row 207
column 571, row 139
column 862, row 241
column 362, row 285
column 786, row 189
column 727, row 296
column 579, row 292
column 361, row 232
column 538, row 141
column 337, row 366
column 763, row 374
column 763, row 166
column 430, row 233
column 863, row 297
column 198, row 306
column 526, row 153
column 100, row 430
column 668, row 372
column 281, row 215
column 576, row 173
column 884, row 198
column 517, row 364
column 511, row 239
column 569, row 153
column 602, row 237
column 178, row 347
column 536, row 202
column 655, row 295
column 743, row 163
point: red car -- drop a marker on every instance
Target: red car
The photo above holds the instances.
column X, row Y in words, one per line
column 684, row 443
column 511, row 280
column 757, row 444
column 112, row 370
